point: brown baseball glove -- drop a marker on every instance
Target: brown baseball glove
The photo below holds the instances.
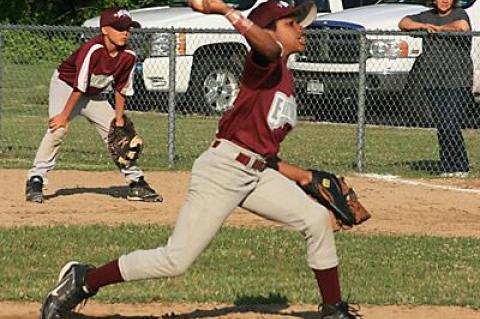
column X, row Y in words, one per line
column 334, row 193
column 124, row 144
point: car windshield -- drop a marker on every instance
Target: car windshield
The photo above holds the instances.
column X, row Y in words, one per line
column 462, row 3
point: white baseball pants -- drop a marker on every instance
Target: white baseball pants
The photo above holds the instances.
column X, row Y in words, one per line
column 98, row 112
column 219, row 183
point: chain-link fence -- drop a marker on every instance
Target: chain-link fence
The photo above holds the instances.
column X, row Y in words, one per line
column 384, row 102
column 419, row 85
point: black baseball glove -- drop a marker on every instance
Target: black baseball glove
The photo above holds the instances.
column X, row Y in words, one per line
column 124, row 144
column 334, row 193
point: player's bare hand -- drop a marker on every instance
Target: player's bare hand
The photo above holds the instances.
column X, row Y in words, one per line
column 119, row 122
column 209, row 6
column 58, row 121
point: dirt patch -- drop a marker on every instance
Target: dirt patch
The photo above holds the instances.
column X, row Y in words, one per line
column 441, row 207
column 76, row 197
column 9, row 310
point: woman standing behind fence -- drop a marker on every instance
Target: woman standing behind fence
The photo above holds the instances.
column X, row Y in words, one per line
column 75, row 90
column 446, row 71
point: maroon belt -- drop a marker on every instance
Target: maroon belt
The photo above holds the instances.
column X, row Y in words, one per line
column 245, row 159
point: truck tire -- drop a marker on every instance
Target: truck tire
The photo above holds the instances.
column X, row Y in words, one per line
column 215, row 82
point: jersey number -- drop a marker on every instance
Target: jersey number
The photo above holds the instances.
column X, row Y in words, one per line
column 283, row 110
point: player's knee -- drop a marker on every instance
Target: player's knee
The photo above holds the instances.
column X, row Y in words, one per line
column 178, row 266
column 317, row 219
column 58, row 135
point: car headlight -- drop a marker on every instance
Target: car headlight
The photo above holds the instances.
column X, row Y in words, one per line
column 388, row 49
column 160, row 45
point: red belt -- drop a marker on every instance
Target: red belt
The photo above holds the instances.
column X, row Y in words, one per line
column 245, row 159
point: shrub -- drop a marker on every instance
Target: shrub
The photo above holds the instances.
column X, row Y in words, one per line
column 30, row 47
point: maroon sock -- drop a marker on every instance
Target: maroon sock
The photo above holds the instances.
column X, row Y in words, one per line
column 105, row 275
column 329, row 285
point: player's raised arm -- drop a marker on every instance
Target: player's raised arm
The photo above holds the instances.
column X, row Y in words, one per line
column 258, row 38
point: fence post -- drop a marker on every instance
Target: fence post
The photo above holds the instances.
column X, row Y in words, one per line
column 362, row 70
column 171, row 99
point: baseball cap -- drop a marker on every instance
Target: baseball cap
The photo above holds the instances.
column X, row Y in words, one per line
column 118, row 18
column 272, row 10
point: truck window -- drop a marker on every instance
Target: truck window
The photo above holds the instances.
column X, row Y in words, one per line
column 323, row 5
column 347, row 4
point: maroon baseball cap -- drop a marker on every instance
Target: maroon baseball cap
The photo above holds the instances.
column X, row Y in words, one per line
column 272, row 10
column 118, row 18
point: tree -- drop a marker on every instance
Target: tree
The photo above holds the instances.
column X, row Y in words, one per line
column 62, row 12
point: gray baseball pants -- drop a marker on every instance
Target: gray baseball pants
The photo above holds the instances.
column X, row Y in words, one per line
column 219, row 183
column 96, row 109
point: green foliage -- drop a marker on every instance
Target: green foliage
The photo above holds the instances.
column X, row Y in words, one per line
column 32, row 47
column 62, row 12
column 245, row 266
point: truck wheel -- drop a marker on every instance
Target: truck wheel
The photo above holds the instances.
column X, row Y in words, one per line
column 214, row 84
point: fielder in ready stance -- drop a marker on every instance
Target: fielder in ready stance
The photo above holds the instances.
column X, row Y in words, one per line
column 240, row 168
column 75, row 89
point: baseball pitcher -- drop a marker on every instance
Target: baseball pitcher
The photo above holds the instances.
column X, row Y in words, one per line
column 240, row 168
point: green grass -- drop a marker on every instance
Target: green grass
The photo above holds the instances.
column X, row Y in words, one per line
column 23, row 121
column 407, row 152
column 248, row 266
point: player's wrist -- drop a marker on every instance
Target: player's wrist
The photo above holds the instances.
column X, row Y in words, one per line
column 225, row 10
column 64, row 115
column 228, row 11
column 238, row 21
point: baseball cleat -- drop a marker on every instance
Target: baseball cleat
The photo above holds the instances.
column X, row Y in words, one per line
column 341, row 310
column 34, row 189
column 70, row 291
column 141, row 191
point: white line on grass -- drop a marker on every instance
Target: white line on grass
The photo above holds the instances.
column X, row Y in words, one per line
column 397, row 179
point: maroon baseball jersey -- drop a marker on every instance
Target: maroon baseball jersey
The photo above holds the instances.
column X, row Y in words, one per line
column 91, row 69
column 264, row 111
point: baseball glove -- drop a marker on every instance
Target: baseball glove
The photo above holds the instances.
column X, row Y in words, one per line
column 124, row 144
column 334, row 193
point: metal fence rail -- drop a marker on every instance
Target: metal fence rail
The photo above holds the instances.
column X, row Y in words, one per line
column 370, row 100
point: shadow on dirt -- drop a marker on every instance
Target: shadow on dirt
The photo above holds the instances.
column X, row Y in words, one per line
column 273, row 304
column 113, row 191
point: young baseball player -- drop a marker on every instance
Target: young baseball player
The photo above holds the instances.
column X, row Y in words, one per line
column 240, row 168
column 75, row 89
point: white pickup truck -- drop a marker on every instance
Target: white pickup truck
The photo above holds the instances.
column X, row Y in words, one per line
column 208, row 64
column 327, row 73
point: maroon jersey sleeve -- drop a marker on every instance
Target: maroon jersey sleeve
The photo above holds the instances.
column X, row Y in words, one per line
column 84, row 61
column 256, row 76
column 124, row 82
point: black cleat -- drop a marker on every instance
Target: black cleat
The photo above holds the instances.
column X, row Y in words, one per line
column 34, row 189
column 339, row 311
column 70, row 291
column 141, row 191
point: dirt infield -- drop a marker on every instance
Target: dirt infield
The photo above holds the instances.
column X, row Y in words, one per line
column 93, row 310
column 439, row 207
column 75, row 197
